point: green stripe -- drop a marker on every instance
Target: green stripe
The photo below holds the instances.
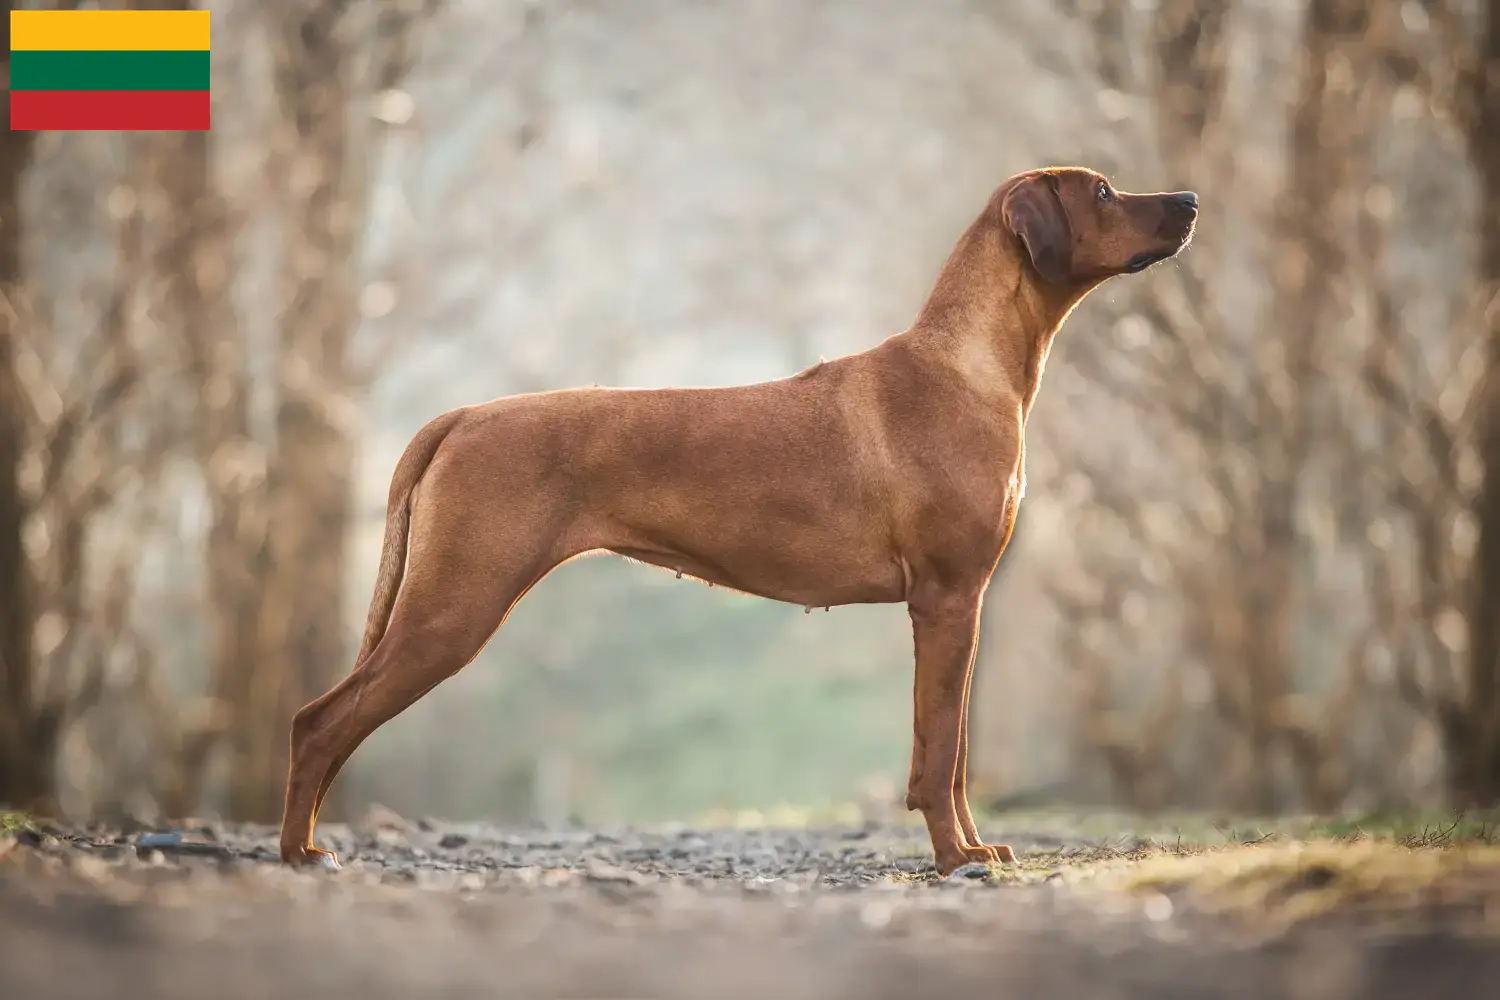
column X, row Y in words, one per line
column 94, row 70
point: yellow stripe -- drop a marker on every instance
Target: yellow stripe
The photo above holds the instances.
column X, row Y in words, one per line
column 109, row 30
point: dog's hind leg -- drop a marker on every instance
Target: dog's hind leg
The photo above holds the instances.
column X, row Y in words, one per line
column 413, row 658
column 419, row 651
column 455, row 596
column 343, row 758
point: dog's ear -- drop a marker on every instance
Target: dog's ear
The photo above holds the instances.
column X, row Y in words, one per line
column 1034, row 211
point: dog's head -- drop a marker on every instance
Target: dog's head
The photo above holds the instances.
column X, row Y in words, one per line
column 1077, row 229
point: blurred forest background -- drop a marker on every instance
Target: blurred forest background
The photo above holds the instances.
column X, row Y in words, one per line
column 1259, row 564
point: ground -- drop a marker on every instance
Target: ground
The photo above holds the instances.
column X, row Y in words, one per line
column 430, row 909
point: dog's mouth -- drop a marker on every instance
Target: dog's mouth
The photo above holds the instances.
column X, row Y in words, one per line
column 1141, row 261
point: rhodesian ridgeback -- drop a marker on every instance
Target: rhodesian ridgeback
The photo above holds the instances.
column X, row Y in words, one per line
column 892, row 475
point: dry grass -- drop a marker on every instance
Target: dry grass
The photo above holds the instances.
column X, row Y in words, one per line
column 1288, row 882
column 1282, row 871
column 1207, row 830
column 12, row 821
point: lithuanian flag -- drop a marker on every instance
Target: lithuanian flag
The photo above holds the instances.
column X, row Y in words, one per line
column 108, row 69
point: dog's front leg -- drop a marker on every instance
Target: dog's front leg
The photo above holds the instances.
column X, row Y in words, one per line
column 945, row 628
column 999, row 853
column 967, row 829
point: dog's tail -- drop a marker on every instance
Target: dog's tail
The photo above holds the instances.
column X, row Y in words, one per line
column 409, row 472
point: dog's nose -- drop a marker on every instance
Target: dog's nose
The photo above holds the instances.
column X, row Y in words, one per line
column 1188, row 199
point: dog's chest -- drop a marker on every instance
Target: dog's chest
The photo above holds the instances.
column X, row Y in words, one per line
column 1017, row 483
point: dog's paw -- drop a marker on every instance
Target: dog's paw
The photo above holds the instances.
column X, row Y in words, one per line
column 312, row 858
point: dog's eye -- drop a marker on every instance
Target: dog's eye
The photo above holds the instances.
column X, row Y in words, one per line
column 1104, row 193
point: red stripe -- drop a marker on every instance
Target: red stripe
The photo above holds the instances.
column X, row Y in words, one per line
column 130, row 110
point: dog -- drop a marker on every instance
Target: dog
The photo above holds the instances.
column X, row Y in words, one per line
column 888, row 476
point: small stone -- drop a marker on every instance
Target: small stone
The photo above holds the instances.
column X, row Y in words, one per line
column 554, row 877
column 89, row 867
column 379, row 817
column 971, row 871
column 598, row 871
column 148, row 844
column 453, row 841
column 172, row 842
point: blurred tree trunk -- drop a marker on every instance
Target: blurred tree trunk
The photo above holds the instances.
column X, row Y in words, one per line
column 1474, row 739
column 1190, row 60
column 25, row 762
column 1111, row 42
column 1309, row 269
column 1242, row 629
column 328, row 58
column 1183, row 75
column 309, row 476
column 197, row 260
column 64, row 605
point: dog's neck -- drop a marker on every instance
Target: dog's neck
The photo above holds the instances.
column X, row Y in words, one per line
column 991, row 317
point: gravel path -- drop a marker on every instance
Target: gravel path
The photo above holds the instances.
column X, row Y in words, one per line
column 458, row 911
